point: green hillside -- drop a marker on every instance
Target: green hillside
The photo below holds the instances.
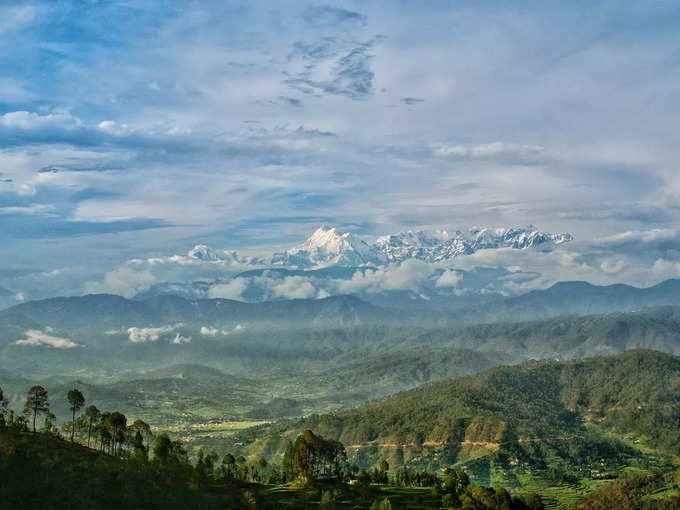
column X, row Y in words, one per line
column 570, row 336
column 42, row 470
column 640, row 491
column 574, row 422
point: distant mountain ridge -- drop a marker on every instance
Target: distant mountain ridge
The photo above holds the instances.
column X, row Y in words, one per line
column 562, row 299
column 575, row 298
column 113, row 309
column 328, row 247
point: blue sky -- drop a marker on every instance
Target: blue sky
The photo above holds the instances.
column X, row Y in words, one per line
column 137, row 129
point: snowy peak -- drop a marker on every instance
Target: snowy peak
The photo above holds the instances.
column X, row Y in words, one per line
column 326, row 246
column 203, row 252
column 440, row 245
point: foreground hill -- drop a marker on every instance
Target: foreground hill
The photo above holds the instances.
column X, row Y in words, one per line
column 42, row 470
column 552, row 419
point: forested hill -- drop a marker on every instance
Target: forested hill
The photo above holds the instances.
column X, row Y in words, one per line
column 571, row 336
column 636, row 392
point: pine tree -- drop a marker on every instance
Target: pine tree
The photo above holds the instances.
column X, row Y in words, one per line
column 36, row 403
column 77, row 400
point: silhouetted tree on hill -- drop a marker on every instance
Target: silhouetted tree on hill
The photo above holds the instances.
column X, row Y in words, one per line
column 76, row 400
column 93, row 416
column 36, row 403
column 3, row 408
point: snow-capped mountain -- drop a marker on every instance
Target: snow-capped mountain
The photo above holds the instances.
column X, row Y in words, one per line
column 203, row 252
column 330, row 262
column 441, row 246
column 326, row 246
column 206, row 254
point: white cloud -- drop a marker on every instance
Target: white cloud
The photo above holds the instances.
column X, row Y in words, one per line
column 114, row 128
column 666, row 268
column 231, row 290
column 639, row 236
column 407, row 275
column 493, row 150
column 35, row 338
column 142, row 335
column 449, row 278
column 294, row 287
column 613, row 265
column 35, row 209
column 127, row 280
column 212, row 332
column 30, row 120
column 179, row 339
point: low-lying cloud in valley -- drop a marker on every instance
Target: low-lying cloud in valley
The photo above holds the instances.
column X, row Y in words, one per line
column 36, row 338
column 138, row 335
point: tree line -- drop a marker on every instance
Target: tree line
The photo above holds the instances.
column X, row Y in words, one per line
column 110, row 433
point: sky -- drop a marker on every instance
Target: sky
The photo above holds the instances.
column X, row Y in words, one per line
column 137, row 129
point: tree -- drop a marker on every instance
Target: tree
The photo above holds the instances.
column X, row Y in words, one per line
column 380, row 472
column 93, row 416
column 76, row 399
column 144, row 429
column 228, row 462
column 116, row 424
column 3, row 409
column 242, row 468
column 455, row 482
column 50, row 422
column 140, row 451
column 168, row 452
column 314, row 458
column 534, row 501
column 103, row 434
column 205, row 467
column 364, row 478
column 36, row 403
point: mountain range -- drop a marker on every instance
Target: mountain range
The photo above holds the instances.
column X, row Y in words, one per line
column 570, row 319
column 327, row 246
